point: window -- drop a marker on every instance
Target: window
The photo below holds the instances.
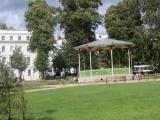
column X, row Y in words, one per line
column 3, row 48
column 29, row 72
column 28, row 37
column 3, row 37
column 19, row 38
column 11, row 48
column 3, row 59
column 11, row 38
column 28, row 60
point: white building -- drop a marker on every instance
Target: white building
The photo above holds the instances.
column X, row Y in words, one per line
column 101, row 36
column 9, row 40
column 59, row 41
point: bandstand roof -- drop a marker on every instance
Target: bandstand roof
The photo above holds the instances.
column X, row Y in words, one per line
column 105, row 44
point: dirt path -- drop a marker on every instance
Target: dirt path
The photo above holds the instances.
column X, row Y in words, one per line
column 52, row 87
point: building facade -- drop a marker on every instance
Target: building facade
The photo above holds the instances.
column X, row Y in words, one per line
column 11, row 39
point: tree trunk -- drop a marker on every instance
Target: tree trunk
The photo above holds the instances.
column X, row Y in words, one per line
column 22, row 97
column 9, row 106
column 23, row 103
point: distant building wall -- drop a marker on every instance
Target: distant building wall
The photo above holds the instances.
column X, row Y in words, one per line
column 9, row 40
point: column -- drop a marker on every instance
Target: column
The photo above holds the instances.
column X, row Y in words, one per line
column 79, row 58
column 112, row 60
column 84, row 62
column 90, row 54
column 129, row 61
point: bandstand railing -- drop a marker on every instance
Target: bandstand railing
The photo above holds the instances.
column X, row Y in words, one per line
column 105, row 72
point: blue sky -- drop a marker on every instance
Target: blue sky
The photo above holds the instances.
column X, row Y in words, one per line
column 12, row 13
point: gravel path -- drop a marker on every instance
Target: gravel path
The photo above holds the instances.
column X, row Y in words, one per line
column 52, row 87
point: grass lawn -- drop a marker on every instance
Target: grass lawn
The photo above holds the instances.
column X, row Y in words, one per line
column 140, row 101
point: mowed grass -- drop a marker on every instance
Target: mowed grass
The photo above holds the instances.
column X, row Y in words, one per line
column 140, row 101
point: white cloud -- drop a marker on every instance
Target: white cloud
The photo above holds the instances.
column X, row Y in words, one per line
column 12, row 13
column 16, row 20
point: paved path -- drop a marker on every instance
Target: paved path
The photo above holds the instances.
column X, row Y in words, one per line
column 52, row 87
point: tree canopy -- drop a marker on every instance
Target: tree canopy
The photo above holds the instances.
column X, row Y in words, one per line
column 18, row 61
column 137, row 21
column 80, row 18
column 41, row 20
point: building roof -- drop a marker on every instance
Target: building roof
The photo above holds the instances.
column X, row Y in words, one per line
column 104, row 44
column 25, row 32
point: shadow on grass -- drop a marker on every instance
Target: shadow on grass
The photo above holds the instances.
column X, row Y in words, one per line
column 47, row 115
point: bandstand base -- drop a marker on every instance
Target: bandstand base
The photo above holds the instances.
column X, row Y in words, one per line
column 104, row 79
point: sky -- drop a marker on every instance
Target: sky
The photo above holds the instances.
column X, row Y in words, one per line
column 12, row 13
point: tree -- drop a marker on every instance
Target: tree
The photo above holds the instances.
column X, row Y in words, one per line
column 8, row 93
column 151, row 21
column 41, row 20
column 137, row 21
column 122, row 19
column 41, row 62
column 18, row 61
column 79, row 18
column 59, row 60
column 5, row 27
column 70, row 55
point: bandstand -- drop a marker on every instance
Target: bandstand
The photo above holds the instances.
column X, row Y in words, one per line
column 109, row 74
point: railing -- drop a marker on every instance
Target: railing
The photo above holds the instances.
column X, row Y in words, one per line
column 105, row 72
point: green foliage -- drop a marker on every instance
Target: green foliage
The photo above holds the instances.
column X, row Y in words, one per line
column 41, row 20
column 70, row 55
column 59, row 60
column 9, row 100
column 41, row 62
column 18, row 61
column 5, row 27
column 121, row 19
column 79, row 18
column 137, row 21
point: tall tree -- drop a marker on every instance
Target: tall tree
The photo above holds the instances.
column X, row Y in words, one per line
column 137, row 21
column 41, row 20
column 70, row 55
column 18, row 62
column 151, row 22
column 59, row 60
column 3, row 27
column 8, row 93
column 79, row 18
column 122, row 19
column 42, row 62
